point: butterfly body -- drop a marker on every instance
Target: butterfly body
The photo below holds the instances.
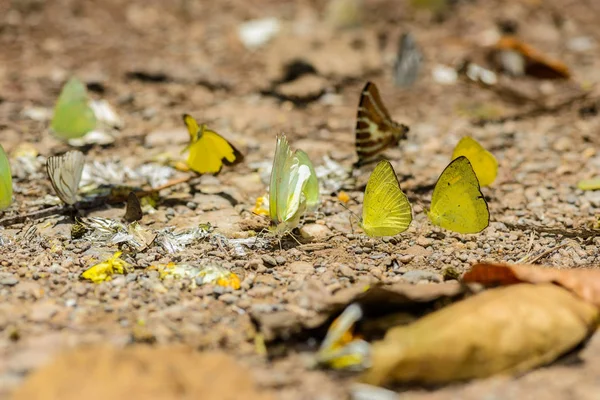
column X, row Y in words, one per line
column 208, row 151
column 375, row 130
column 293, row 188
column 386, row 209
column 65, row 174
column 457, row 203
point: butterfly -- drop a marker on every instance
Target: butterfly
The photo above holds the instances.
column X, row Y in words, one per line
column 208, row 150
column 133, row 211
column 483, row 162
column 5, row 181
column 375, row 129
column 65, row 174
column 294, row 187
column 457, row 203
column 386, row 210
column 408, row 61
column 73, row 116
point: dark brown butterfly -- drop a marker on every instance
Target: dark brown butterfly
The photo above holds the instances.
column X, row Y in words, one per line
column 133, row 211
column 375, row 129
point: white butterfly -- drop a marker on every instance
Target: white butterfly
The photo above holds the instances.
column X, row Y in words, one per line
column 294, row 187
column 65, row 174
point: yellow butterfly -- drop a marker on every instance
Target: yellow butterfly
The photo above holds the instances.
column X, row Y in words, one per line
column 483, row 162
column 208, row 150
column 386, row 210
column 5, row 181
column 457, row 203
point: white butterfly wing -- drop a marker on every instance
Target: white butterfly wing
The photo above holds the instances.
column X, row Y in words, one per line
column 65, row 174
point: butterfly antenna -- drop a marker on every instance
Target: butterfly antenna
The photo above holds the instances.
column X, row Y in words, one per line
column 258, row 236
column 352, row 213
column 294, row 237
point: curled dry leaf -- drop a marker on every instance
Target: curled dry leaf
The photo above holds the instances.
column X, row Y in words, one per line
column 583, row 282
column 505, row 330
column 392, row 303
column 535, row 63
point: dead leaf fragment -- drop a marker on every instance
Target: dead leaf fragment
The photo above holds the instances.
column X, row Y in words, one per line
column 584, row 282
column 505, row 330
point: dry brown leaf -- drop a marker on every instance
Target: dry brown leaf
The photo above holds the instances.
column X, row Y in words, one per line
column 140, row 372
column 583, row 282
column 378, row 300
column 536, row 63
column 506, row 330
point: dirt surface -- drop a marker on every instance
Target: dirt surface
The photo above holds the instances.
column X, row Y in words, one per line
column 155, row 60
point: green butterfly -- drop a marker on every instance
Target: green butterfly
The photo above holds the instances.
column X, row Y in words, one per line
column 294, row 187
column 5, row 181
column 73, row 116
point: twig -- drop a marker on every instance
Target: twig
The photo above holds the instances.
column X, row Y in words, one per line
column 46, row 212
column 541, row 255
column 534, row 112
column 575, row 233
column 84, row 205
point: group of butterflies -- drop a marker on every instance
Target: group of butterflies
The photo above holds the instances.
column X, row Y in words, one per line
column 457, row 203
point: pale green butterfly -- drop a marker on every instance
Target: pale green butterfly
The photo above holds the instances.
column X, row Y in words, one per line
column 294, row 187
column 73, row 117
column 65, row 174
column 5, row 181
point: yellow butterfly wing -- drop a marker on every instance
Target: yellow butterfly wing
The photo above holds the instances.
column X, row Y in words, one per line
column 483, row 162
column 5, row 181
column 386, row 210
column 457, row 203
column 208, row 150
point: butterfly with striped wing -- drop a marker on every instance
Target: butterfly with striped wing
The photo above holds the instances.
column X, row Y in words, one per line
column 375, row 130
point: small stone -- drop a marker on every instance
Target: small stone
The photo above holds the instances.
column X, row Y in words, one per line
column 9, row 281
column 450, row 273
column 301, row 267
column 416, row 276
column 315, row 232
column 280, row 260
column 269, row 260
column 228, row 298
column 406, row 258
column 346, row 271
column 255, row 263
column 260, row 291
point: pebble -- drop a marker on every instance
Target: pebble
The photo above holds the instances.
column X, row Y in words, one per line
column 255, row 263
column 269, row 260
column 405, row 258
column 9, row 281
column 415, row 276
column 228, row 298
column 280, row 260
column 301, row 267
column 260, row 291
column 315, row 232
column 346, row 271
